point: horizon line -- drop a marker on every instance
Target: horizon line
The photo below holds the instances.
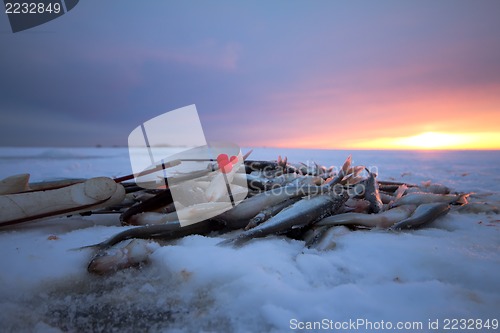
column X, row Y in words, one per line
column 271, row 147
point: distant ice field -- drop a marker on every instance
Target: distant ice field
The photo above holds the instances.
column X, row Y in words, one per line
column 448, row 270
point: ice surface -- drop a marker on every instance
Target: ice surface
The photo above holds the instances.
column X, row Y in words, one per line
column 450, row 269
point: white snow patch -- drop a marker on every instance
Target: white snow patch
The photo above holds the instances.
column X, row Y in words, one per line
column 450, row 269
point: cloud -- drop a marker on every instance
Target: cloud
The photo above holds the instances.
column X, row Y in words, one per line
column 327, row 75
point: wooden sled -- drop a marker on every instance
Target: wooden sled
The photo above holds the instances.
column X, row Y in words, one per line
column 20, row 202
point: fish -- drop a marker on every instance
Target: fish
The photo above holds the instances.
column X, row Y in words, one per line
column 266, row 166
column 312, row 235
column 372, row 193
column 326, row 241
column 387, row 187
column 400, row 191
column 201, row 210
column 267, row 213
column 425, row 213
column 333, row 181
column 260, row 182
column 312, row 169
column 351, row 179
column 479, row 207
column 354, row 170
column 166, row 231
column 434, row 188
column 388, row 199
column 239, row 216
column 423, row 198
column 108, row 261
column 152, row 218
column 253, row 181
column 395, row 184
column 382, row 220
column 299, row 214
column 356, row 206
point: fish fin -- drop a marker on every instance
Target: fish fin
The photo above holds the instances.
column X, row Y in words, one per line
column 398, row 194
column 463, row 199
column 400, row 191
column 426, row 183
column 94, row 246
column 247, row 154
column 234, row 242
column 347, row 164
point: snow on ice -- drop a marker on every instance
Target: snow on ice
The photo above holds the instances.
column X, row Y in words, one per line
column 450, row 269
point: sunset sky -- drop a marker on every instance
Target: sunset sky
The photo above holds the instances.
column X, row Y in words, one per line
column 308, row 74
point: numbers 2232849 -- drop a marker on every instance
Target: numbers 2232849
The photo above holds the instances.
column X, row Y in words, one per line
column 32, row 8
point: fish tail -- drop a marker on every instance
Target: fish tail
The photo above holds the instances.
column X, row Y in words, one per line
column 462, row 199
column 94, row 246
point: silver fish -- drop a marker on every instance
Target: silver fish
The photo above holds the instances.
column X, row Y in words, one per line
column 327, row 240
column 424, row 213
column 166, row 231
column 113, row 259
column 381, row 220
column 479, row 207
column 356, row 206
column 151, row 218
column 239, row 216
column 372, row 193
column 434, row 188
column 267, row 213
column 299, row 214
column 312, row 235
column 423, row 198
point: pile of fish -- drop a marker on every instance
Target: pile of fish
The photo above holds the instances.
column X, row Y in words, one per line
column 306, row 202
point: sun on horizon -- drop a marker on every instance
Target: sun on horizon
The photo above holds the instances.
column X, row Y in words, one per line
column 437, row 141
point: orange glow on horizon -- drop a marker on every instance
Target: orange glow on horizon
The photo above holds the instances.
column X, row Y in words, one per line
column 422, row 141
column 436, row 141
column 379, row 117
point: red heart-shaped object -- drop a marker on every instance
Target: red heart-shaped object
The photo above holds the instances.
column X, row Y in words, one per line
column 222, row 159
column 225, row 163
